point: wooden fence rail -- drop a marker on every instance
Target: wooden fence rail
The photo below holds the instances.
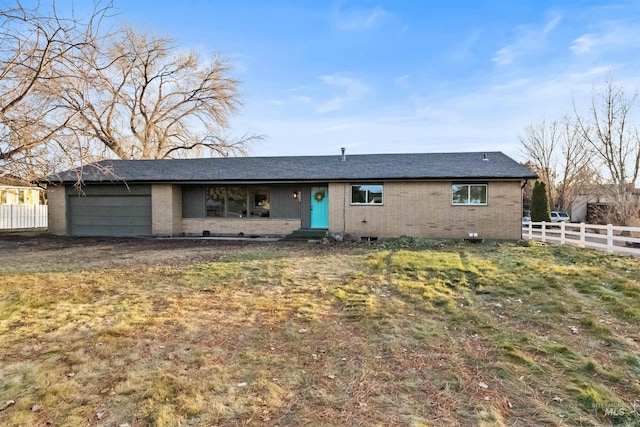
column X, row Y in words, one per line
column 23, row 216
column 610, row 238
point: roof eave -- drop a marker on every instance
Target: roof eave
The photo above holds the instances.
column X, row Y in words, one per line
column 293, row 180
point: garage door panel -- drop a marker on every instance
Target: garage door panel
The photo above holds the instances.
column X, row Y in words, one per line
column 111, row 201
column 104, row 221
column 112, row 211
column 110, row 215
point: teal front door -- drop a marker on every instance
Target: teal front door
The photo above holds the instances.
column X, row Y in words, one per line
column 319, row 207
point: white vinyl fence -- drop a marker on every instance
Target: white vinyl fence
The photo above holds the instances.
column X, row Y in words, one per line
column 23, row 216
column 610, row 238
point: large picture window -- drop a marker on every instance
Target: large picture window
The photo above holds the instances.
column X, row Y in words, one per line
column 367, row 194
column 216, row 197
column 469, row 194
column 237, row 202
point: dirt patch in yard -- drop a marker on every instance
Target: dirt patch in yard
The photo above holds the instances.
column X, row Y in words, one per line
column 42, row 252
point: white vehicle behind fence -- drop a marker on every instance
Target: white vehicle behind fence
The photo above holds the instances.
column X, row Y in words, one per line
column 557, row 216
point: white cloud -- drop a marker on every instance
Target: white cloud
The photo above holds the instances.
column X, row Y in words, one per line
column 301, row 98
column 464, row 50
column 504, row 56
column 583, row 44
column 352, row 90
column 334, row 104
column 293, row 94
column 588, row 74
column 611, row 35
column 483, row 112
column 401, row 80
column 531, row 38
column 359, row 20
column 551, row 24
column 485, row 118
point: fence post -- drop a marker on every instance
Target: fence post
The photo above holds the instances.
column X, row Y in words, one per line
column 11, row 216
column 543, row 229
column 530, row 230
column 562, row 242
column 610, row 238
column 582, row 235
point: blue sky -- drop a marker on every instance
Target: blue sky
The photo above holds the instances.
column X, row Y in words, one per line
column 403, row 76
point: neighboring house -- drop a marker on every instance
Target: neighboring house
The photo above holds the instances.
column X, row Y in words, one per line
column 592, row 206
column 14, row 191
column 445, row 195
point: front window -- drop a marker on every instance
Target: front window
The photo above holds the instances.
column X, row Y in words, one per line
column 367, row 194
column 469, row 194
column 237, row 202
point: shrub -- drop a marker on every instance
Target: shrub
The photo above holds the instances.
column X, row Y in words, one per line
column 540, row 210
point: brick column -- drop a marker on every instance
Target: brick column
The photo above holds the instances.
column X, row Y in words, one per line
column 57, row 210
column 166, row 209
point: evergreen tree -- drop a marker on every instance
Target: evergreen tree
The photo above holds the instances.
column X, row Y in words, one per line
column 540, row 210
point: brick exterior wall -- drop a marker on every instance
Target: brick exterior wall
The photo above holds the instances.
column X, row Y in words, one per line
column 57, row 211
column 424, row 209
column 421, row 209
column 233, row 226
column 166, row 210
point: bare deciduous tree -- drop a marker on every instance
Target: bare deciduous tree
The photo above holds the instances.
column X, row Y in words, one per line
column 561, row 159
column 540, row 142
column 611, row 134
column 575, row 167
column 143, row 98
column 71, row 94
column 38, row 48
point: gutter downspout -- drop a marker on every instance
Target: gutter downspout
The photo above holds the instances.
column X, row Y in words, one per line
column 344, row 196
column 526, row 181
column 344, row 209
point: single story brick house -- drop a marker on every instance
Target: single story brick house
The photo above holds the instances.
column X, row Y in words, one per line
column 431, row 195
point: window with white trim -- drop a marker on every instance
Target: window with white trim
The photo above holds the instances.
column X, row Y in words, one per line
column 367, row 194
column 469, row 194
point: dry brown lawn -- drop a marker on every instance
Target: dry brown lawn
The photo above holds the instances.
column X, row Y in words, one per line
column 113, row 332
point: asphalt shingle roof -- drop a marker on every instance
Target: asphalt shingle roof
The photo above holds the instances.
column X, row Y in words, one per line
column 305, row 168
